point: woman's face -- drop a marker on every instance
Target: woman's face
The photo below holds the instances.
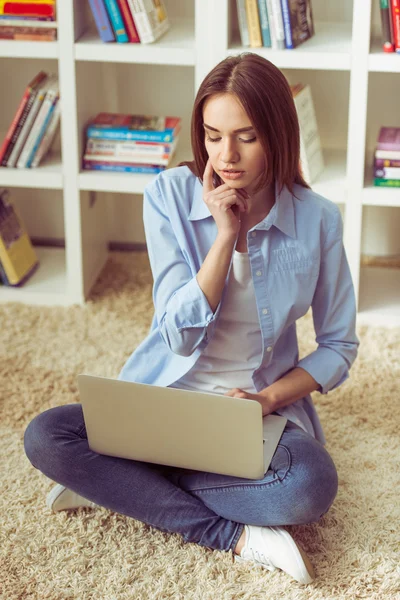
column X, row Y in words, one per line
column 231, row 142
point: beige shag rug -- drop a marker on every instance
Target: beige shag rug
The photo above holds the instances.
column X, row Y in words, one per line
column 100, row 555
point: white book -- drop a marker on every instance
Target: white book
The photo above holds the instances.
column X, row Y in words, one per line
column 122, row 148
column 48, row 137
column 275, row 16
column 40, row 93
column 35, row 131
column 150, row 18
column 28, row 23
column 242, row 18
column 311, row 156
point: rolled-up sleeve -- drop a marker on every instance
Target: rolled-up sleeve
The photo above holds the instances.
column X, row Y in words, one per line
column 334, row 315
column 182, row 310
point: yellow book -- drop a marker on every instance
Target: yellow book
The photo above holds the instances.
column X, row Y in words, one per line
column 253, row 23
column 17, row 255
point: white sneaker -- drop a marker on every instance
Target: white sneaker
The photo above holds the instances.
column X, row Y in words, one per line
column 274, row 548
column 61, row 498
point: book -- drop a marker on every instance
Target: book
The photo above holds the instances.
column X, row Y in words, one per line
column 264, row 23
column 49, row 136
column 130, row 151
column 7, row 21
column 242, row 19
column 36, row 131
column 16, row 18
column 163, row 160
column 129, row 22
column 387, row 43
column 378, row 181
column 298, row 22
column 32, row 108
column 385, row 162
column 117, row 22
column 4, row 148
column 276, row 24
column 28, row 34
column 122, row 167
column 28, row 9
column 388, row 154
column 102, row 20
column 387, row 172
column 389, row 138
column 18, row 259
column 253, row 23
column 134, row 127
column 395, row 6
column 151, row 19
column 311, row 157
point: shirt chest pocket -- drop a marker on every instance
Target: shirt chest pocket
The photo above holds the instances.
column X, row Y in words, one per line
column 294, row 261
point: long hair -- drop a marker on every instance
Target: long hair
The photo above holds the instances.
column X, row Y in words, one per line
column 265, row 95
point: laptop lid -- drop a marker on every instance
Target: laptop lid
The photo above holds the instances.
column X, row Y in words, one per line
column 192, row 430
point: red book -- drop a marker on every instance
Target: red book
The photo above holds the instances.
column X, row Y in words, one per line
column 28, row 91
column 31, row 9
column 129, row 22
column 395, row 4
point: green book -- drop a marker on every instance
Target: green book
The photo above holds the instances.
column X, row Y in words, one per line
column 386, row 182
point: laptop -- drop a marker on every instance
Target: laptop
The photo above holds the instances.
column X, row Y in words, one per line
column 188, row 429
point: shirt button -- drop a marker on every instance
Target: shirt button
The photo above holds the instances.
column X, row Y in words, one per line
column 258, row 273
column 269, row 348
column 265, row 311
column 253, row 234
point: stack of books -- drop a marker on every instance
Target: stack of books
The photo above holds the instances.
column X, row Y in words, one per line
column 34, row 125
column 276, row 24
column 28, row 20
column 135, row 21
column 130, row 143
column 18, row 259
column 387, row 158
column 390, row 20
column 311, row 157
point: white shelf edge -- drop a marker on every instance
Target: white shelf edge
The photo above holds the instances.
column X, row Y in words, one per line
column 382, row 62
column 175, row 47
column 46, row 176
column 17, row 49
column 47, row 286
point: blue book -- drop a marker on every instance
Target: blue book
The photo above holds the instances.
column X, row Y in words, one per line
column 117, row 22
column 120, row 134
column 102, row 21
column 287, row 24
column 92, row 166
column 41, row 134
column 264, row 23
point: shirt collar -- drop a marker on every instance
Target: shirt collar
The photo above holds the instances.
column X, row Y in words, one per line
column 281, row 214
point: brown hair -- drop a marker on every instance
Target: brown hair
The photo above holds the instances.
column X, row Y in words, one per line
column 265, row 95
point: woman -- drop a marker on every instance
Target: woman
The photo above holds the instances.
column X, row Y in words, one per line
column 240, row 248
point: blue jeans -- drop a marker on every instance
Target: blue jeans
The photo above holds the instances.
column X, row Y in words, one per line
column 204, row 508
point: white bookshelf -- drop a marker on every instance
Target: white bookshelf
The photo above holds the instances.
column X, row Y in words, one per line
column 343, row 63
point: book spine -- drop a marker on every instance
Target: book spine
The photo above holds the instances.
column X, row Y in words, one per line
column 142, row 22
column 242, row 18
column 129, row 22
column 287, row 24
column 276, row 17
column 388, row 154
column 385, row 162
column 28, row 36
column 33, row 9
column 14, row 124
column 253, row 21
column 387, row 43
column 26, row 122
column 126, row 159
column 387, row 172
column 395, row 5
column 23, row 22
column 128, row 135
column 113, row 148
column 264, row 23
column 41, row 131
column 272, row 29
column 48, row 137
column 378, row 181
column 16, row 18
column 102, row 21
column 91, row 166
column 116, row 21
column 146, row 17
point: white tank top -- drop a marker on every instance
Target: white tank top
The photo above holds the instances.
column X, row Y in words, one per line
column 234, row 351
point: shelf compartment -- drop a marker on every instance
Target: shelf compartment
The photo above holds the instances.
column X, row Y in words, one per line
column 379, row 296
column 373, row 195
column 16, row 49
column 332, row 182
column 175, row 47
column 47, row 286
column 47, row 176
column 328, row 49
column 379, row 61
column 130, row 183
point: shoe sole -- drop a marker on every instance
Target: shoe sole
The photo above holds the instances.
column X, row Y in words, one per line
column 53, row 495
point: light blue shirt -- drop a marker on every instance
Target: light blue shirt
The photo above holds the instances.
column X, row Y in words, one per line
column 297, row 261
